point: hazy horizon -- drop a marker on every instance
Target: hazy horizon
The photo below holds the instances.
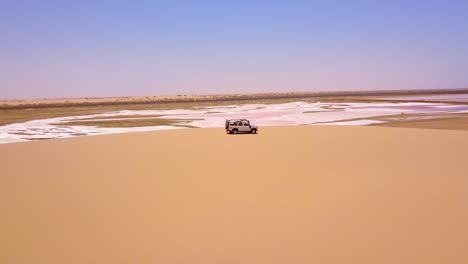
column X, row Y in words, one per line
column 139, row 48
column 456, row 91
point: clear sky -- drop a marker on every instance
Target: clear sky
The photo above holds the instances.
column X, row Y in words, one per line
column 116, row 48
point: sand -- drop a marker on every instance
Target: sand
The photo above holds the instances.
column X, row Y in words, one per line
column 307, row 194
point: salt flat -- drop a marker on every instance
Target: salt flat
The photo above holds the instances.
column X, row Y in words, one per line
column 284, row 114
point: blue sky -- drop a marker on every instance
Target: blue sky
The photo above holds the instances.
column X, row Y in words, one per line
column 116, row 48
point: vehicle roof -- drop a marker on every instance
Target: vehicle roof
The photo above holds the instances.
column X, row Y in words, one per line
column 237, row 120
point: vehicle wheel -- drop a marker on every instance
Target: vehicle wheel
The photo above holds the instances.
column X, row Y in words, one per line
column 235, row 131
column 253, row 131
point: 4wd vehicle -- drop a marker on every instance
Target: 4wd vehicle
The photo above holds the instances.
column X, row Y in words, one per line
column 235, row 126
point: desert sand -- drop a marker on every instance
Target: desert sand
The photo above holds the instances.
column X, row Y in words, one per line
column 305, row 194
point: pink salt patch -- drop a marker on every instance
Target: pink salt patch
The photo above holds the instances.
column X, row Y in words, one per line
column 251, row 115
column 276, row 123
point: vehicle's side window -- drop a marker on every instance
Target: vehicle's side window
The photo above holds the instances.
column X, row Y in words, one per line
column 246, row 124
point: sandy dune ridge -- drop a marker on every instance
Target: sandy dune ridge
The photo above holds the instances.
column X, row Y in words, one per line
column 305, row 194
column 87, row 101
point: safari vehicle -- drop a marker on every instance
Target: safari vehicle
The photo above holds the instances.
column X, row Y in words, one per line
column 235, row 126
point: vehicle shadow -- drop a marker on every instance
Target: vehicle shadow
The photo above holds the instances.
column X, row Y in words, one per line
column 240, row 134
